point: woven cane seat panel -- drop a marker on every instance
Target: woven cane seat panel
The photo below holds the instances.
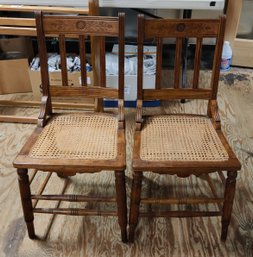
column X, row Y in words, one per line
column 78, row 136
column 180, row 138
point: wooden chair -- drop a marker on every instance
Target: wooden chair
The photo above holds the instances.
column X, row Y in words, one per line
column 181, row 144
column 82, row 142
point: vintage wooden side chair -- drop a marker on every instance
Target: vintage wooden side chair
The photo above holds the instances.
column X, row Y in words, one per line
column 181, row 144
column 80, row 142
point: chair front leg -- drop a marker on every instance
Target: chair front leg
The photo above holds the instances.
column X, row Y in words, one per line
column 25, row 193
column 121, row 203
column 228, row 202
column 134, row 204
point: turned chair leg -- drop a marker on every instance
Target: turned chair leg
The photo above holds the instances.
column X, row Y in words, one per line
column 228, row 203
column 25, row 193
column 134, row 204
column 121, row 203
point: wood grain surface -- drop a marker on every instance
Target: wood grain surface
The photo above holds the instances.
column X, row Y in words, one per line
column 100, row 236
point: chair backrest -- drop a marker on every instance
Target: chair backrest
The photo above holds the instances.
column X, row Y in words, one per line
column 159, row 29
column 79, row 27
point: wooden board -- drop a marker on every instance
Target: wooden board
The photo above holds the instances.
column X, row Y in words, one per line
column 172, row 4
column 36, row 7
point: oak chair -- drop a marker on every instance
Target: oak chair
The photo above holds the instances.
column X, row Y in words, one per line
column 80, row 142
column 181, row 144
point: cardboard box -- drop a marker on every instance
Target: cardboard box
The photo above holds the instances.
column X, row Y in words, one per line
column 74, row 79
column 131, row 84
column 14, row 55
column 14, row 76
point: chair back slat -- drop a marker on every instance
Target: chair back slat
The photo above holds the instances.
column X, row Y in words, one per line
column 81, row 28
column 74, row 25
column 121, row 53
column 159, row 57
column 64, row 70
column 82, row 53
column 180, row 29
column 171, row 93
column 96, row 92
column 102, row 63
column 197, row 58
column 140, row 56
column 178, row 58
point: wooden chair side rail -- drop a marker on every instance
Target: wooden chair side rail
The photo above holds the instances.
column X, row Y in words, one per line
column 215, row 200
column 224, row 205
column 69, row 198
column 27, row 27
column 75, row 211
column 186, row 201
column 29, row 207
